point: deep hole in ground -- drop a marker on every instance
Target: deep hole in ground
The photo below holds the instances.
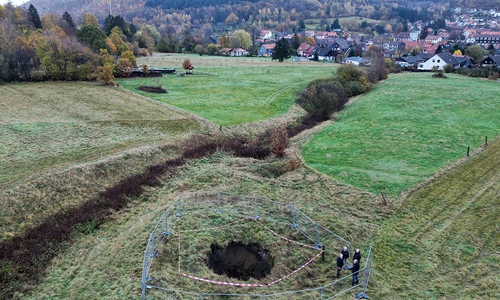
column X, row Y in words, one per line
column 239, row 260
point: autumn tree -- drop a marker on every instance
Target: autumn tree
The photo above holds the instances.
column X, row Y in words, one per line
column 200, row 49
column 242, row 39
column 90, row 19
column 231, row 19
column 376, row 70
column 186, row 65
column 116, row 38
column 225, row 40
column 105, row 72
column 281, row 50
column 63, row 57
column 212, row 49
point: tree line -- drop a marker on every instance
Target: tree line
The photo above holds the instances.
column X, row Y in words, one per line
column 53, row 47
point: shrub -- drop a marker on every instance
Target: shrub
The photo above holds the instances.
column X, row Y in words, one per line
column 448, row 68
column 322, row 99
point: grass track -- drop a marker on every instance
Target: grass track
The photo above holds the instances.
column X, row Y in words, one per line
column 445, row 240
column 410, row 126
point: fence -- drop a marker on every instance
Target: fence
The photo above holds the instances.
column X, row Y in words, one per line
column 198, row 212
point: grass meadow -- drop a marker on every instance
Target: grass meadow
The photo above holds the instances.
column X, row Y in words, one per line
column 229, row 90
column 50, row 127
column 410, row 126
column 439, row 240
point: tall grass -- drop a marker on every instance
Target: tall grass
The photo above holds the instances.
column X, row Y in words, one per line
column 410, row 126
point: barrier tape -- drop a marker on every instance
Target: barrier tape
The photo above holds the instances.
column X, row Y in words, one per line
column 222, row 282
column 284, row 238
column 300, row 268
column 247, row 284
column 213, row 228
column 252, row 284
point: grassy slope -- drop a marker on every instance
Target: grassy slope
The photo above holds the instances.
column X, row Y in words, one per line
column 243, row 90
column 444, row 242
column 49, row 124
column 48, row 127
column 407, row 128
column 107, row 263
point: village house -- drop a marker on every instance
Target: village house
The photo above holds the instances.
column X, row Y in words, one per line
column 439, row 61
column 266, row 50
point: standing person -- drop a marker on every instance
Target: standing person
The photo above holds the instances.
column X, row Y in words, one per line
column 355, row 271
column 345, row 255
column 357, row 256
column 340, row 264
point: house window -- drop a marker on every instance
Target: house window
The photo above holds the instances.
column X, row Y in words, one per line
column 439, row 60
column 433, row 60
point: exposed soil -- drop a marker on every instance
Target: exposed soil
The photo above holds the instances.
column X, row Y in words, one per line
column 239, row 260
column 152, row 89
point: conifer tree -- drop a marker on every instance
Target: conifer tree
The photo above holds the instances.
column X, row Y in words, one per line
column 34, row 17
column 281, row 50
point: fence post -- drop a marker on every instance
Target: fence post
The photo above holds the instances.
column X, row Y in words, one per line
column 486, row 140
column 468, row 150
column 294, row 225
column 218, row 201
column 318, row 242
column 256, row 216
column 322, row 293
column 179, row 214
column 166, row 232
column 369, row 268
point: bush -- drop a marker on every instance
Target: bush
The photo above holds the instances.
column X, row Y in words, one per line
column 352, row 79
column 448, row 68
column 322, row 99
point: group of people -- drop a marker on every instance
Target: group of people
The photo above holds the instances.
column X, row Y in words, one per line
column 342, row 263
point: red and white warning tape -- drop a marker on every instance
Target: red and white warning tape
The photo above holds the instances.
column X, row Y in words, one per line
column 303, row 266
column 251, row 284
column 222, row 282
column 282, row 237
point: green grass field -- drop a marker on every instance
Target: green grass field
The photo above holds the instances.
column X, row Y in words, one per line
column 230, row 90
column 440, row 242
column 410, row 126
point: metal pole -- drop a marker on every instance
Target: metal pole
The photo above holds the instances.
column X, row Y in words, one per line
column 256, row 216
column 180, row 206
column 218, row 202
column 318, row 244
column 294, row 225
column 166, row 232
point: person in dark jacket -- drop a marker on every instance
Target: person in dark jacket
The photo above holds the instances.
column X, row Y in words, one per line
column 357, row 256
column 355, row 271
column 345, row 255
column 340, row 264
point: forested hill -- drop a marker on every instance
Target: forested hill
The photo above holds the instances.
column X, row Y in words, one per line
column 271, row 14
column 182, row 4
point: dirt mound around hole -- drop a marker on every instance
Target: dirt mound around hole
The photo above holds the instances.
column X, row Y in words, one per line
column 239, row 260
